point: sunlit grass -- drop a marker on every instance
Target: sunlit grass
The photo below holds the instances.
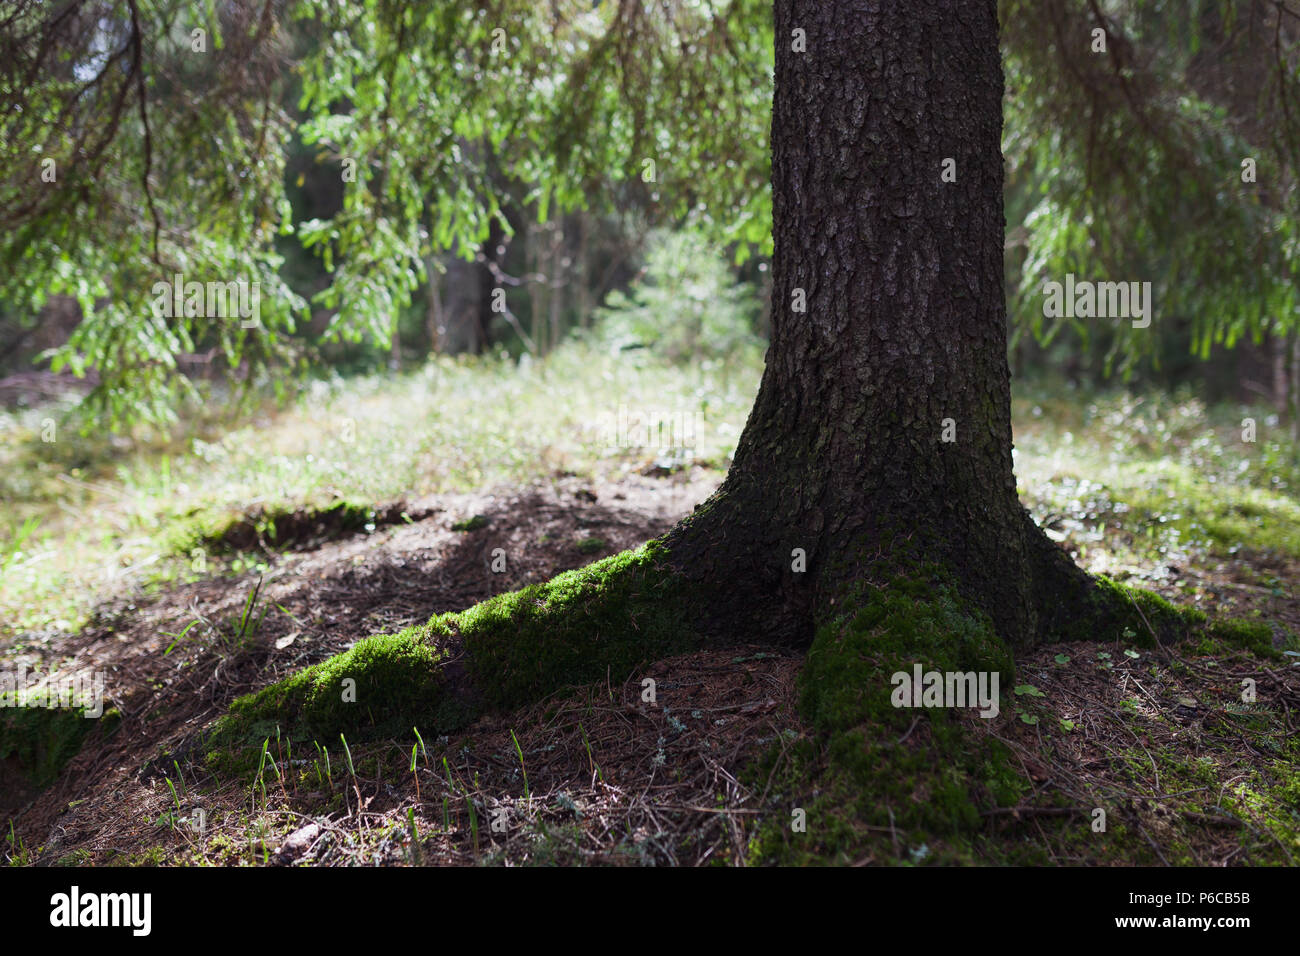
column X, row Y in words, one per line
column 110, row 510
column 1179, row 479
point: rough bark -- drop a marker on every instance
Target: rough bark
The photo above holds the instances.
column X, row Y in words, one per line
column 904, row 332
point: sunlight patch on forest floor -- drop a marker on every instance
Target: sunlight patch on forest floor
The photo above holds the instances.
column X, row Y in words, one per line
column 89, row 518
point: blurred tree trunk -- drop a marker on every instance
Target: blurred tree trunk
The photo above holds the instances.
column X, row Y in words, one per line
column 1278, row 352
column 434, row 322
column 1295, row 387
column 581, row 273
column 555, row 275
column 536, row 292
column 461, row 307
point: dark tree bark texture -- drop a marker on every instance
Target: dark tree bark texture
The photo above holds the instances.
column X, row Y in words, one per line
column 883, row 422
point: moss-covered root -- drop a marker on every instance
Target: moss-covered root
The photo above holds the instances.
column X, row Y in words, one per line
column 884, row 782
column 582, row 626
column 1115, row 611
column 1072, row 605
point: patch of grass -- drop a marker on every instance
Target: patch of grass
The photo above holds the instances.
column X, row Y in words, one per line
column 1145, row 478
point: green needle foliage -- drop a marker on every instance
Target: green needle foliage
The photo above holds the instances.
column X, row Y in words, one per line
column 167, row 123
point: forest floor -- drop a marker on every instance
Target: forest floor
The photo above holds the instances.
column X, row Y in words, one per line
column 1146, row 491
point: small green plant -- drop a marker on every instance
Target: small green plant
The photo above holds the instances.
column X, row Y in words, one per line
column 1027, row 690
column 18, row 853
column 473, row 817
column 15, row 548
column 248, row 628
column 591, row 761
column 177, row 638
column 415, row 836
column 414, row 774
column 347, row 753
column 519, row 750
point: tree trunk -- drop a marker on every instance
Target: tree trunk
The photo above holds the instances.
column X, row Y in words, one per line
column 882, row 427
column 433, row 316
column 555, row 272
column 536, row 292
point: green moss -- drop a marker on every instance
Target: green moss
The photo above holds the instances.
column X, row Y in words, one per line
column 380, row 684
column 1254, row 636
column 1194, row 790
column 42, row 739
column 1119, row 612
column 279, row 526
column 471, row 524
column 590, row 545
column 846, row 677
column 600, row 621
column 579, row 627
column 891, row 784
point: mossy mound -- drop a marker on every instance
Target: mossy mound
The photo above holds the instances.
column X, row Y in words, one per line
column 582, row 626
column 884, row 782
column 902, row 785
column 1253, row 636
column 284, row 527
column 1117, row 607
column 471, row 524
column 37, row 742
column 1119, row 611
